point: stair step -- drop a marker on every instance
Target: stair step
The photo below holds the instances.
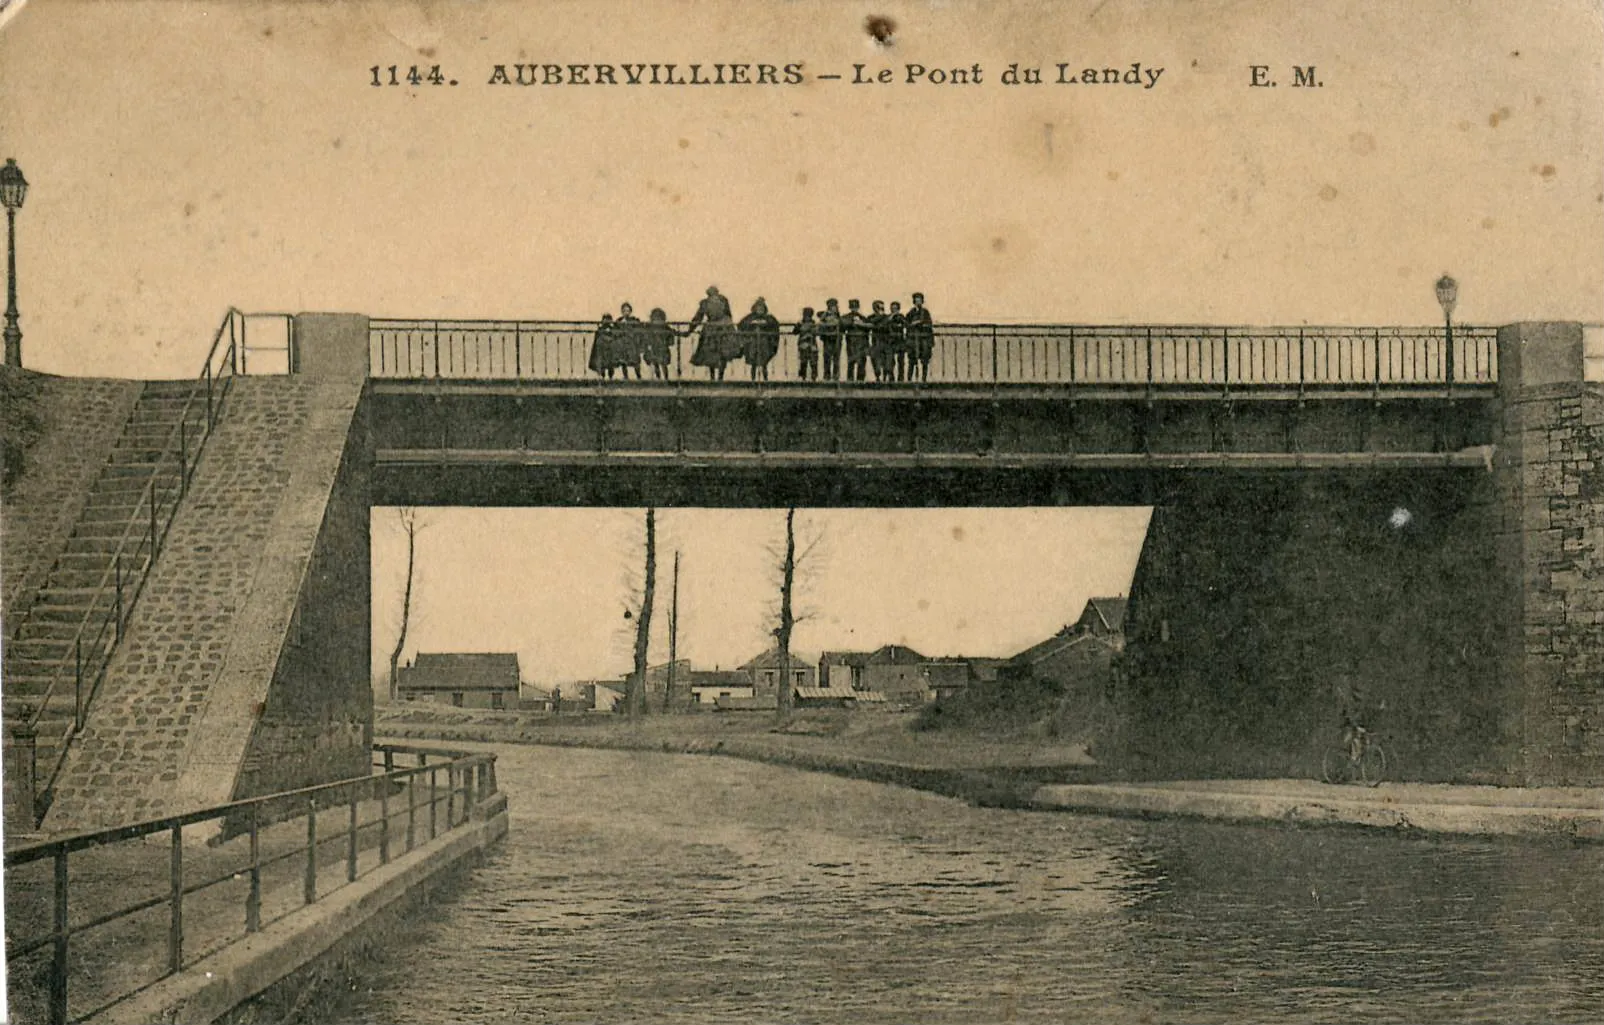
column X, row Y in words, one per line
column 171, row 386
column 87, row 561
column 64, row 577
column 51, row 652
column 132, row 526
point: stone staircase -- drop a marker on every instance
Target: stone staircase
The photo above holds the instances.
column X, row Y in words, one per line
column 57, row 652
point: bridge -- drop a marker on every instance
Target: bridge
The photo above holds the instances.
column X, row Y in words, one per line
column 494, row 412
column 1397, row 511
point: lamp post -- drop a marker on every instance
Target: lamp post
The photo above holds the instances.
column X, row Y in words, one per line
column 1447, row 295
column 13, row 189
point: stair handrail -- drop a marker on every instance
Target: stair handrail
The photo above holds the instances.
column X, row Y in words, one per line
column 178, row 448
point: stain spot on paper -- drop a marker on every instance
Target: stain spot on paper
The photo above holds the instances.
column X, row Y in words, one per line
column 1364, row 143
column 189, row 209
column 998, row 244
column 957, row 533
column 685, row 144
column 426, row 51
column 1545, row 171
column 1497, row 116
column 1113, row 176
column 801, row 177
column 1488, row 222
column 880, row 28
column 1328, row 192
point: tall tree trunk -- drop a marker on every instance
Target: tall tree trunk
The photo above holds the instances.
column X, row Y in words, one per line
column 787, row 618
column 635, row 700
column 409, row 523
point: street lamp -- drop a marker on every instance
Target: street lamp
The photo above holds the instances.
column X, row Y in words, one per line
column 13, row 189
column 1447, row 295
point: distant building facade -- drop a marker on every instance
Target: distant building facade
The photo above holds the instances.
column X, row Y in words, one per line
column 708, row 686
column 461, row 679
column 764, row 671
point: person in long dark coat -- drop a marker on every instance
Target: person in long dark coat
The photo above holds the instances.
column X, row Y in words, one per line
column 657, row 343
column 921, row 337
column 718, row 343
column 627, row 353
column 830, row 339
column 760, row 333
column 604, row 347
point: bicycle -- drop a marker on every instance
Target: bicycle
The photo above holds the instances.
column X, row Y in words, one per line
column 1359, row 759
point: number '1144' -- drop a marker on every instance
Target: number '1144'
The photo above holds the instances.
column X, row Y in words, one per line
column 393, row 75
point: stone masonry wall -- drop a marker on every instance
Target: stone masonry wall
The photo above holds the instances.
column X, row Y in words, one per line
column 185, row 689
column 80, row 420
column 1554, row 485
column 1262, row 606
column 318, row 723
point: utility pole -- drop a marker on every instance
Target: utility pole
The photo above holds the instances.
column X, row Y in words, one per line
column 635, row 699
column 673, row 636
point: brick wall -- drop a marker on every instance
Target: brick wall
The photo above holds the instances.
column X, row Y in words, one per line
column 79, row 420
column 1553, row 485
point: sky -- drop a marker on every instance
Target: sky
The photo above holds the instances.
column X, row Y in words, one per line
column 942, row 581
column 185, row 157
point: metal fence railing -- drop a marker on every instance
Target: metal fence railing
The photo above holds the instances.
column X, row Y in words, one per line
column 1001, row 354
column 79, row 908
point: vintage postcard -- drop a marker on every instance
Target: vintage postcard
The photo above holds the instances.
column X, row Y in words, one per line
column 805, row 511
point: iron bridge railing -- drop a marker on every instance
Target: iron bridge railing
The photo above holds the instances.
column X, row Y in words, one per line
column 352, row 826
column 1222, row 358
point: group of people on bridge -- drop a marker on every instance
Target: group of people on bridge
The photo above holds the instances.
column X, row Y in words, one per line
column 893, row 344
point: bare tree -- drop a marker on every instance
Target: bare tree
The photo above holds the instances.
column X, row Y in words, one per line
column 635, row 696
column 787, row 616
column 411, row 525
column 792, row 564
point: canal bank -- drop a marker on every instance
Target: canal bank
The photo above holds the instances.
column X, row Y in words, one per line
column 185, row 918
column 1034, row 775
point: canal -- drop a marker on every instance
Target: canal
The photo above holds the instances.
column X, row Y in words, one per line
column 671, row 888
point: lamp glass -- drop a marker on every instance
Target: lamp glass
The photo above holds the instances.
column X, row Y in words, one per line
column 13, row 186
column 1447, row 293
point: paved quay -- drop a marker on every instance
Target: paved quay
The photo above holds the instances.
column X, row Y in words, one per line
column 1555, row 812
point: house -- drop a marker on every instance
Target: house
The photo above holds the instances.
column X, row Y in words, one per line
column 764, row 671
column 954, row 674
column 709, row 685
column 604, row 695
column 1103, row 617
column 1077, row 662
column 895, row 670
column 461, row 679
column 657, row 685
column 842, row 670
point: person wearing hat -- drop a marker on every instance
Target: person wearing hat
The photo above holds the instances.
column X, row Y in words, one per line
column 657, row 343
column 717, row 344
column 807, row 346
column 921, row 338
column 627, row 354
column 760, row 331
column 830, row 339
column 856, row 327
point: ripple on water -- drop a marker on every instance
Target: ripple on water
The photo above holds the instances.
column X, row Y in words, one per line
column 681, row 889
